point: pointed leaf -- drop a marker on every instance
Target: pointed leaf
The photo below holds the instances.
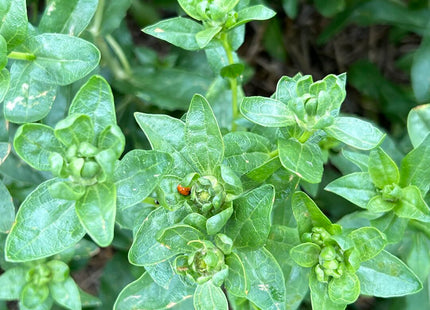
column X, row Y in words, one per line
column 267, row 112
column 306, row 254
column 96, row 210
column 205, row 146
column 137, row 175
column 250, row 223
column 66, row 293
column 412, row 205
column 54, row 226
column 355, row 132
column 255, row 12
column 382, row 169
column 178, row 31
column 356, row 187
column 217, row 222
column 387, row 276
column 203, row 37
column 419, row 124
column 209, row 296
column 368, row 242
column 178, row 237
column 303, row 159
column 12, row 282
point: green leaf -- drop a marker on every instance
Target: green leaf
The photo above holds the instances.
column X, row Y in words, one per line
column 113, row 14
column 250, row 223
column 421, row 65
column 178, row 237
column 162, row 273
column 215, row 223
column 419, row 124
column 203, row 138
column 203, row 37
column 96, row 210
column 95, row 99
column 146, row 250
column 415, row 167
column 387, row 276
column 144, row 293
column 74, row 129
column 344, row 290
column 88, row 300
column 267, row 112
column 166, row 134
column 355, row 132
column 378, row 205
column 54, row 226
column 382, row 169
column 67, row 17
column 209, row 296
column 3, row 53
column 319, row 295
column 28, row 100
column 13, row 28
column 112, row 138
column 306, row 254
column 4, row 83
column 290, row 7
column 412, row 205
column 232, row 71
column 266, row 282
column 303, row 159
column 7, row 209
column 191, row 8
column 391, row 225
column 255, row 12
column 12, row 282
column 237, row 281
column 368, row 241
column 66, row 294
column 60, row 59
column 356, row 187
column 137, row 175
column 178, row 31
column 35, row 143
column 35, row 297
column 308, row 214
column 245, row 151
column 331, row 8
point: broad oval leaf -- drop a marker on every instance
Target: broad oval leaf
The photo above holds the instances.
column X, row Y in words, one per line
column 267, row 112
column 355, row 132
column 12, row 281
column 306, row 254
column 96, row 210
column 249, row 226
column 303, row 159
column 54, row 226
column 137, row 175
column 203, row 138
column 178, row 31
column 419, row 124
column 66, row 293
column 95, row 99
column 14, row 22
column 209, row 296
column 35, row 143
column 28, row 100
column 74, row 129
column 177, row 237
column 387, row 276
column 368, row 241
column 356, row 187
column 344, row 290
column 67, row 17
column 266, row 281
column 60, row 59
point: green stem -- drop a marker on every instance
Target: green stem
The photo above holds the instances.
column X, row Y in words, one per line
column 98, row 18
column 21, row 56
column 119, row 53
column 305, row 136
column 274, row 153
column 151, row 201
column 233, row 81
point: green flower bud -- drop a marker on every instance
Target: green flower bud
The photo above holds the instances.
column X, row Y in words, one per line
column 86, row 149
column 319, row 235
column 208, row 194
column 321, row 275
column 39, row 275
column 71, row 152
column 328, row 253
column 90, row 169
column 75, row 166
column 391, row 193
column 330, row 264
column 59, row 270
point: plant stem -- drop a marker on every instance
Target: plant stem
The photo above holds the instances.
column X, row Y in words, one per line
column 21, row 56
column 95, row 28
column 119, row 53
column 233, row 81
column 274, row 153
column 305, row 136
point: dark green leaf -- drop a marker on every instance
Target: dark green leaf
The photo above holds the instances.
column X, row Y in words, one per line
column 420, row 67
column 96, row 211
column 67, row 17
column 330, row 8
column 306, row 254
column 232, row 71
column 303, row 159
column 209, row 296
column 203, row 138
column 249, row 225
column 419, row 124
column 382, row 169
column 95, row 99
column 267, row 112
column 355, row 132
column 368, row 242
column 387, row 276
column 356, row 187
column 177, row 31
column 144, row 293
column 54, row 226
column 138, row 174
column 7, row 209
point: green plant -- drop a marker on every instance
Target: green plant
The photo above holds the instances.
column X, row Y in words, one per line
column 218, row 213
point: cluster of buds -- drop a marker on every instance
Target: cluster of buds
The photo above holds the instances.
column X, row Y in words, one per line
column 215, row 13
column 391, row 193
column 205, row 263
